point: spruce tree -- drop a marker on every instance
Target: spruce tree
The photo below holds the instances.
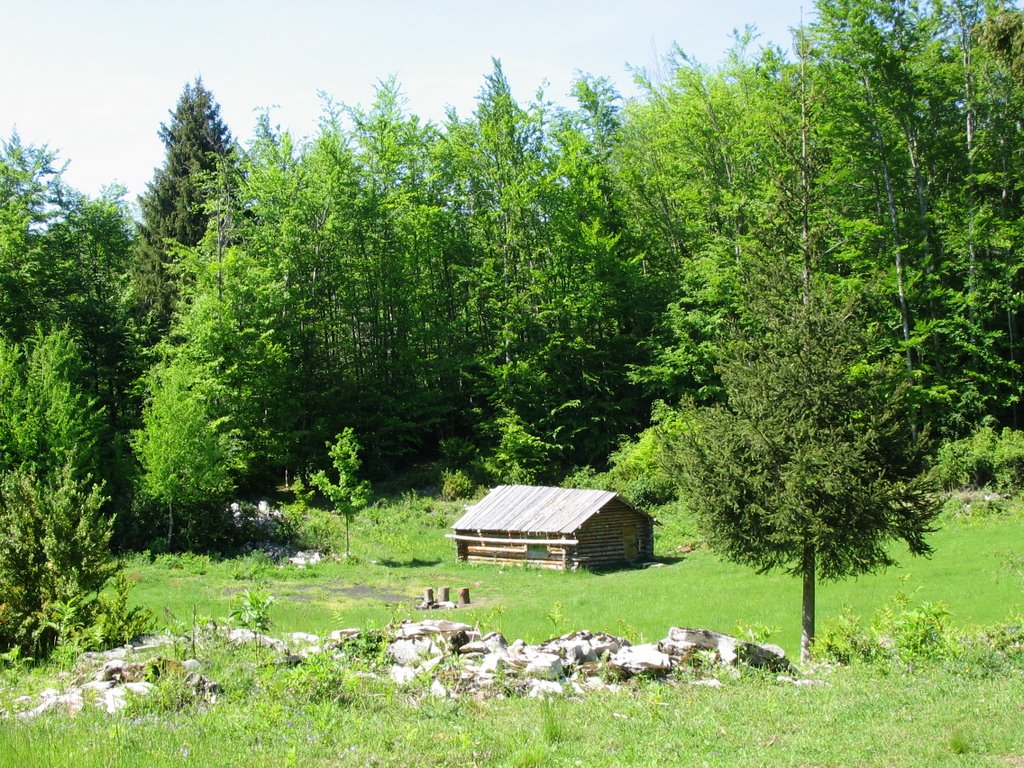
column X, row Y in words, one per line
column 810, row 465
column 175, row 204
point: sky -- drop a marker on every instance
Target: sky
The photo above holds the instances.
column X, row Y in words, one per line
column 94, row 79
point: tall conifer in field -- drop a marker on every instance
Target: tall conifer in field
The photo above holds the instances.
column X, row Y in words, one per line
column 810, row 465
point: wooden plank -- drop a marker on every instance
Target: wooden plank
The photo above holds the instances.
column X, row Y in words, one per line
column 500, row 540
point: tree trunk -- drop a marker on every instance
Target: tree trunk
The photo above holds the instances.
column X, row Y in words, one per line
column 807, row 633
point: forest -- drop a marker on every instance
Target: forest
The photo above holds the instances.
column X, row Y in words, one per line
column 515, row 295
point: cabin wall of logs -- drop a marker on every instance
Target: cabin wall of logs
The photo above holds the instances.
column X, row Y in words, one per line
column 617, row 534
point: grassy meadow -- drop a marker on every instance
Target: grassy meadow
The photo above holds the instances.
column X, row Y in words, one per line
column 963, row 712
column 972, row 572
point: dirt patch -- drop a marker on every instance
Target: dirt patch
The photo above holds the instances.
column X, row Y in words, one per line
column 357, row 592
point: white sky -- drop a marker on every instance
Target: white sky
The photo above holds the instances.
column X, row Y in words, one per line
column 94, row 79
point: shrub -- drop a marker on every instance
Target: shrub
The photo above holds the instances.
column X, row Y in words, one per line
column 456, row 484
column 986, row 459
column 60, row 586
column 520, row 456
column 116, row 621
column 312, row 528
column 898, row 632
column 54, row 558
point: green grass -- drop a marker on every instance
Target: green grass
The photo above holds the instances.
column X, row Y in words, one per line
column 959, row 713
column 863, row 717
column 967, row 572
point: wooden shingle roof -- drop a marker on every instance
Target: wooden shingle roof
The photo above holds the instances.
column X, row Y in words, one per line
column 533, row 509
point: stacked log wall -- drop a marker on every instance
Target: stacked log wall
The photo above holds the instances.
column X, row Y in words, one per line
column 602, row 537
column 511, row 553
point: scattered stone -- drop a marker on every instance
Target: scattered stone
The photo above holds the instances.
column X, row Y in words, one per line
column 97, row 686
column 641, row 659
column 340, row 635
column 683, row 643
column 542, row 689
column 574, row 648
column 121, row 671
column 494, row 641
column 402, row 675
column 414, row 650
column 149, row 642
column 452, row 659
column 545, row 666
column 239, row 636
column 302, row 559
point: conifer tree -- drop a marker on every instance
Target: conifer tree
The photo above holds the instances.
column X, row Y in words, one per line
column 175, row 204
column 809, row 466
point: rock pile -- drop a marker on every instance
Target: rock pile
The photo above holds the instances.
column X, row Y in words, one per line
column 449, row 658
column 117, row 681
column 462, row 661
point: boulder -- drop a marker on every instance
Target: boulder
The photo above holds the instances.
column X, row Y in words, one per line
column 574, row 648
column 545, row 666
column 238, row 636
column 682, row 643
column 641, row 659
column 414, row 649
column 402, row 675
column 604, row 644
column 494, row 641
column 121, row 671
column 340, row 635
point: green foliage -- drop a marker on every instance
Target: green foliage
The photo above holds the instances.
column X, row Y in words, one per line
column 348, row 494
column 45, row 419
column 54, row 557
column 174, row 213
column 520, row 457
column 456, row 484
column 986, row 459
column 638, row 467
column 186, row 455
column 117, row 620
column 899, row 632
column 810, row 465
column 312, row 528
column 252, row 609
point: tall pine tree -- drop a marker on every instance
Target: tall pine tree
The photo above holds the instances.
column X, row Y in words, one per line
column 175, row 209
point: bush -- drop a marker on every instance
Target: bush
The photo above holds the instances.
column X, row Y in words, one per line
column 520, row 457
column 54, row 564
column 637, row 467
column 898, row 632
column 117, row 622
column 986, row 459
column 456, row 484
column 312, row 528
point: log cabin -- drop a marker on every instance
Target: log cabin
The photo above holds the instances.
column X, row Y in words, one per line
column 559, row 528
